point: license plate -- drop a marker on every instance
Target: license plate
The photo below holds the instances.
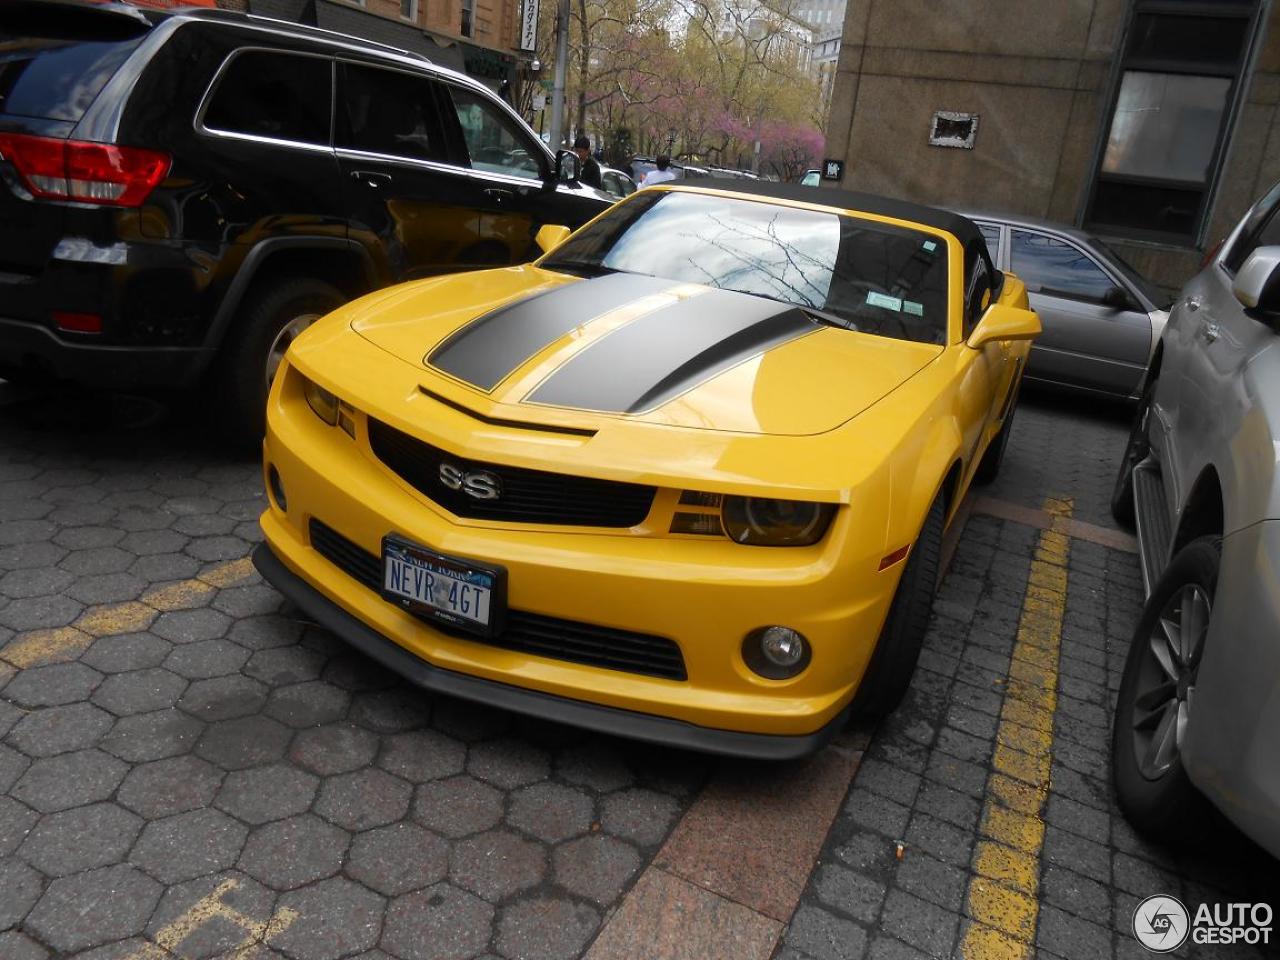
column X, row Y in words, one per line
column 452, row 590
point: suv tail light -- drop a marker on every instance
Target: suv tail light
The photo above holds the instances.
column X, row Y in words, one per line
column 85, row 172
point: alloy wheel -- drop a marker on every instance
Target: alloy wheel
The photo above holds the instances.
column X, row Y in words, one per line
column 1167, row 680
column 280, row 344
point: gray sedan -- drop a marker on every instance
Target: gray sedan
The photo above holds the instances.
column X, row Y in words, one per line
column 1101, row 318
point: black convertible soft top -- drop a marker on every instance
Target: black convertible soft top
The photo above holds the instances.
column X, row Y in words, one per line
column 962, row 228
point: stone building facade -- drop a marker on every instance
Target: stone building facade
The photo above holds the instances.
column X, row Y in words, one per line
column 1152, row 123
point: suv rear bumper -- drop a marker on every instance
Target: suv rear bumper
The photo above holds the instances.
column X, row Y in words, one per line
column 32, row 352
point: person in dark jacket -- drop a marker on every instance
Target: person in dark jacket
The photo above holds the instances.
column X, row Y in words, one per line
column 590, row 170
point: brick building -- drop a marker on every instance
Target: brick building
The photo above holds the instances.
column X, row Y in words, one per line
column 478, row 37
column 1152, row 123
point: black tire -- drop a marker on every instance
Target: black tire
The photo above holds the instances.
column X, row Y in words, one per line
column 894, row 661
column 1152, row 788
column 242, row 372
column 989, row 465
column 1135, row 451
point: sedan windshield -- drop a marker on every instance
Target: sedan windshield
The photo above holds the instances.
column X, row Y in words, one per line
column 847, row 271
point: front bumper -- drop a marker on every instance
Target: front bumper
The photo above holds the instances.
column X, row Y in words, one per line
column 1232, row 753
column 608, row 720
column 704, row 596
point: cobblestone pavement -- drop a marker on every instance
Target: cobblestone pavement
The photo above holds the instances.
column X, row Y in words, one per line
column 994, row 772
column 188, row 770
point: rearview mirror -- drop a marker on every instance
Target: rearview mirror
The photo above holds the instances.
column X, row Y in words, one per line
column 1117, row 299
column 551, row 236
column 568, row 166
column 1003, row 322
column 1257, row 284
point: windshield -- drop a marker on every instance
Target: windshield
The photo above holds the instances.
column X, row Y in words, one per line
column 860, row 274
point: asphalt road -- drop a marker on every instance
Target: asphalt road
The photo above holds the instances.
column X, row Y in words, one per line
column 189, row 769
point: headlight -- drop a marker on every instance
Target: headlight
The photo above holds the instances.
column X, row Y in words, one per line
column 775, row 523
column 329, row 408
column 324, row 403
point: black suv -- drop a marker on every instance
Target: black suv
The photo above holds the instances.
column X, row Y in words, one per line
column 183, row 192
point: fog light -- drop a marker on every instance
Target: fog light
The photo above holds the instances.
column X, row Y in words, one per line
column 277, row 488
column 776, row 652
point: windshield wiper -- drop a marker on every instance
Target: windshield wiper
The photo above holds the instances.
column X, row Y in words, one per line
column 824, row 317
column 585, row 268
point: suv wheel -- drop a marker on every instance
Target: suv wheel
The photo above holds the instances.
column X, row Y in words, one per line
column 271, row 320
column 894, row 661
column 1155, row 705
column 1135, row 451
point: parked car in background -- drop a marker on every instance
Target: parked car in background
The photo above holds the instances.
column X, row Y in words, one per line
column 182, row 193
column 616, row 183
column 811, row 178
column 1198, row 710
column 1102, row 319
column 613, row 488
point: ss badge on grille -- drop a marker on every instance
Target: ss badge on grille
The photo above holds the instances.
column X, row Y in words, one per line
column 478, row 484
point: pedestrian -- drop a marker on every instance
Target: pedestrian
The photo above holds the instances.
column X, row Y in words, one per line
column 660, row 174
column 588, row 170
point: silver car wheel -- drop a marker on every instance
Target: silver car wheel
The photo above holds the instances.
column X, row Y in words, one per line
column 280, row 344
column 1167, row 680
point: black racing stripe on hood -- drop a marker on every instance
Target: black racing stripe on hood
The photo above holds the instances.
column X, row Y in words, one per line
column 491, row 346
column 670, row 351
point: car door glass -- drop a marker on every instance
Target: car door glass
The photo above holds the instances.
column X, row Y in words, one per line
column 977, row 294
column 1056, row 268
column 278, row 95
column 493, row 143
column 390, row 112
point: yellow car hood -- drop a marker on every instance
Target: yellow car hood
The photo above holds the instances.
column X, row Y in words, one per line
column 531, row 345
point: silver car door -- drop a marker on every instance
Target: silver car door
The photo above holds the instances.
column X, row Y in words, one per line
column 1087, row 341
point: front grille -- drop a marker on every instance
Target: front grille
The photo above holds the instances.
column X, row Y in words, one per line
column 527, row 496
column 527, row 632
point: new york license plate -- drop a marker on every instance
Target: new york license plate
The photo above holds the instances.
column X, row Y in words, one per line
column 452, row 590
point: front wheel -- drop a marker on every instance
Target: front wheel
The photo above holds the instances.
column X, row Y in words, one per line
column 1155, row 705
column 894, row 661
column 1135, row 451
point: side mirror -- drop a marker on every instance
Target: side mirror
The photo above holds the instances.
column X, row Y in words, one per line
column 568, row 166
column 1257, row 283
column 1003, row 322
column 1117, row 299
column 550, row 236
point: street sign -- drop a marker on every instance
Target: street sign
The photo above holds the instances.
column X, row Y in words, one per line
column 529, row 25
column 832, row 169
column 539, row 100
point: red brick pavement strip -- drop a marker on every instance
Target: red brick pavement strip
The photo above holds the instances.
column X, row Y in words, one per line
column 1041, row 520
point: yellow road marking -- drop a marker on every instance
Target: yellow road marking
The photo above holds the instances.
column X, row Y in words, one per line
column 1003, row 896
column 169, row 938
column 61, row 644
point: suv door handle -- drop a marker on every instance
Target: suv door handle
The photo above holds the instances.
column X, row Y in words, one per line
column 371, row 178
column 499, row 195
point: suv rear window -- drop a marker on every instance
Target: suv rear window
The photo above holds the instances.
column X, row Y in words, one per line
column 52, row 73
column 283, row 96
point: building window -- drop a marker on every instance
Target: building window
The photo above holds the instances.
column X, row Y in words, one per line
column 468, row 11
column 1180, row 75
column 409, row 9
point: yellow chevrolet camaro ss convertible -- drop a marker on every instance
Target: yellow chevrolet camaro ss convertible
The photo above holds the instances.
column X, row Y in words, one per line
column 685, row 478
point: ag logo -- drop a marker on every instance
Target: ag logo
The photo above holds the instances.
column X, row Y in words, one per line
column 478, row 484
column 1161, row 923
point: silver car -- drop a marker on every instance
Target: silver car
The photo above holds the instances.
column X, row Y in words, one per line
column 1198, row 711
column 1101, row 318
